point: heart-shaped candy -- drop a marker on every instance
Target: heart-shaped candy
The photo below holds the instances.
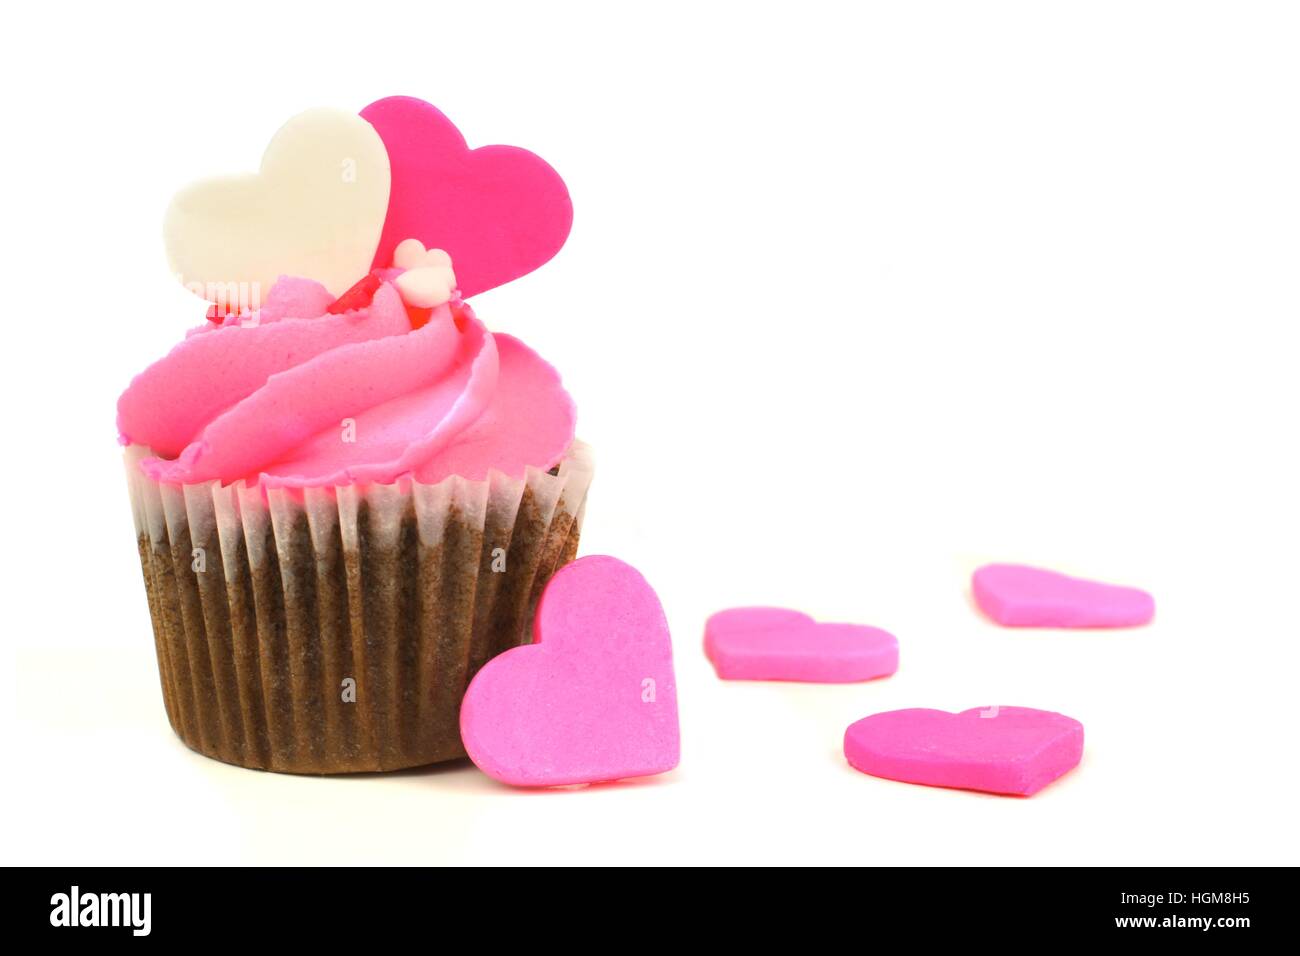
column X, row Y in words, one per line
column 426, row 286
column 428, row 281
column 316, row 210
column 1013, row 750
column 593, row 699
column 500, row 211
column 411, row 254
column 772, row 643
column 1016, row 595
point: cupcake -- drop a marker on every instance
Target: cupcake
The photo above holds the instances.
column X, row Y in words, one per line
column 348, row 493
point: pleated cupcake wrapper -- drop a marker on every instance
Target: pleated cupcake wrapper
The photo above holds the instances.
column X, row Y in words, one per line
column 335, row 630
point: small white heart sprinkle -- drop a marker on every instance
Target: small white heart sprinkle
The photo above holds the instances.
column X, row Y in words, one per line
column 426, row 286
column 409, row 254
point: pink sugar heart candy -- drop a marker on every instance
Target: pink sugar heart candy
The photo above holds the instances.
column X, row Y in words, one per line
column 1015, row 595
column 772, row 643
column 1011, row 750
column 593, row 699
column 500, row 211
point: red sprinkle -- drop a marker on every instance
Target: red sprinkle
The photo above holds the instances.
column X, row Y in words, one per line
column 357, row 297
column 419, row 317
column 219, row 311
column 461, row 314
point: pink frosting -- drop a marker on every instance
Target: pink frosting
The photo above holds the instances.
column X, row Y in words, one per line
column 295, row 397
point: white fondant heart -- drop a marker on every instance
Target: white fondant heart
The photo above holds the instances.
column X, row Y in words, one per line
column 316, row 209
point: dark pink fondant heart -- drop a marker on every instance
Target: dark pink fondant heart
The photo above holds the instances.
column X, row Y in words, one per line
column 499, row 211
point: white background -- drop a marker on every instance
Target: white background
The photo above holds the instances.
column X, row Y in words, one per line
column 857, row 298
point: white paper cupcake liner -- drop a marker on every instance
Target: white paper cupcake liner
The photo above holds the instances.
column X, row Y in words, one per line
column 335, row 630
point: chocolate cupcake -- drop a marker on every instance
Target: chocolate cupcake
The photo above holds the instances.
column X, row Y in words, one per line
column 348, row 497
